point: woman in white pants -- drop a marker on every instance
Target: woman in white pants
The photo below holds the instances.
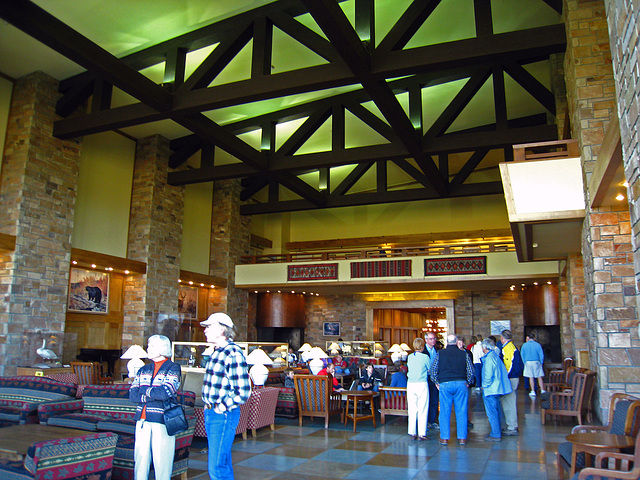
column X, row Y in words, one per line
column 154, row 384
column 419, row 365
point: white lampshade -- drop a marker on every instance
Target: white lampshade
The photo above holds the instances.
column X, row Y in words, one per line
column 259, row 373
column 333, row 346
column 317, row 352
column 315, row 365
column 377, row 353
column 305, row 348
column 396, row 357
column 315, row 355
column 134, row 353
column 405, row 347
column 395, row 348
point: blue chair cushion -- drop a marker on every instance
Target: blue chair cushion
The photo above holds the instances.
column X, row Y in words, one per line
column 10, row 413
column 14, row 470
column 620, row 417
column 81, row 421
column 118, row 425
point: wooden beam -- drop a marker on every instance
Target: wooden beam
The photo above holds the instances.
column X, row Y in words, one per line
column 261, row 241
column 7, row 242
column 87, row 258
column 397, row 240
column 199, row 278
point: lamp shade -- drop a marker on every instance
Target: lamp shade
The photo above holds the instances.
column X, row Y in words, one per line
column 395, row 348
column 333, row 346
column 317, row 352
column 405, row 347
column 134, row 351
column 315, row 355
column 305, row 348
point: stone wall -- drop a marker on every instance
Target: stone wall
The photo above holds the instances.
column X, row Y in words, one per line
column 39, row 176
column 155, row 237
column 623, row 19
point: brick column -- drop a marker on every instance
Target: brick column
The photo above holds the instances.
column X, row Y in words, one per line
column 230, row 239
column 623, row 18
column 155, row 237
column 39, row 177
column 608, row 273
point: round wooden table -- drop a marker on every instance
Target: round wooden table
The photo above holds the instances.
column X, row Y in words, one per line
column 592, row 443
column 355, row 396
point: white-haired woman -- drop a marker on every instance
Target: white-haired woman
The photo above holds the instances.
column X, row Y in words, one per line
column 155, row 383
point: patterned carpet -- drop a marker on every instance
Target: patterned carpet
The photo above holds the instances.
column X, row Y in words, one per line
column 388, row 453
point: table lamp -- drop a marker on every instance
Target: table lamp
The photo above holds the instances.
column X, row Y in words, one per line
column 135, row 354
column 304, row 349
column 405, row 353
column 315, row 355
column 334, row 348
column 258, row 372
column 396, row 352
column 378, row 350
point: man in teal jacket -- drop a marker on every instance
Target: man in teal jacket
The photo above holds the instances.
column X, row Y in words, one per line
column 495, row 384
column 514, row 365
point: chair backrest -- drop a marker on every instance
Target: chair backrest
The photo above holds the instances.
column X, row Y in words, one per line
column 313, row 392
column 566, row 363
column 87, row 372
column 624, row 414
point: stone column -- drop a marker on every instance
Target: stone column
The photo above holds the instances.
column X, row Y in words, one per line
column 230, row 239
column 155, row 237
column 39, row 177
column 608, row 273
column 623, row 18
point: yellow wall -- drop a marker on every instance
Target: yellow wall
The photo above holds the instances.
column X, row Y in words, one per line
column 432, row 216
column 196, row 228
column 104, row 194
column 6, row 87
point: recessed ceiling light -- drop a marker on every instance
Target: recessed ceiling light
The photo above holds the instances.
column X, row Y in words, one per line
column 619, row 197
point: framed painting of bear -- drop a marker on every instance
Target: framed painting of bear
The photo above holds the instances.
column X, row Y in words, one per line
column 88, row 291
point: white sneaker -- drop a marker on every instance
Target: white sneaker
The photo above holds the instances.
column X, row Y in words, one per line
column 532, row 393
column 543, row 391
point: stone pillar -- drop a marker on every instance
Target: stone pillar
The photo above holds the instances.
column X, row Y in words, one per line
column 230, row 239
column 605, row 239
column 623, row 18
column 39, row 177
column 155, row 237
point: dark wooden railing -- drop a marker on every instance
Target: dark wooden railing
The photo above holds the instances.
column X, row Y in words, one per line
column 383, row 252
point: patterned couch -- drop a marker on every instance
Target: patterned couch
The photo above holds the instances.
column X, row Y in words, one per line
column 88, row 457
column 287, row 405
column 21, row 395
column 107, row 408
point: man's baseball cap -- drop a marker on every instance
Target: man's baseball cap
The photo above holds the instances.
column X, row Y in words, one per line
column 219, row 317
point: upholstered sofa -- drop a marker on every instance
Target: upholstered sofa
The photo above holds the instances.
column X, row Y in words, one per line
column 21, row 395
column 287, row 405
column 87, row 457
column 107, row 408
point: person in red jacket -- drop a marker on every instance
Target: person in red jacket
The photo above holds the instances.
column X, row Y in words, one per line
column 331, row 369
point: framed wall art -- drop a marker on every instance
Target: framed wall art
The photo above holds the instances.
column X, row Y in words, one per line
column 331, row 329
column 188, row 301
column 88, row 291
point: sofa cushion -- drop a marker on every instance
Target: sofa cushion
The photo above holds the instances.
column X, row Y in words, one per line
column 118, row 425
column 34, row 389
column 81, row 421
column 108, row 400
column 287, row 405
column 10, row 413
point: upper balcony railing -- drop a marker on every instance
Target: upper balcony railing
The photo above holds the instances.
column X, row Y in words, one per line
column 384, row 252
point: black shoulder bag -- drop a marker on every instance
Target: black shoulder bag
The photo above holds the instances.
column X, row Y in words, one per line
column 174, row 417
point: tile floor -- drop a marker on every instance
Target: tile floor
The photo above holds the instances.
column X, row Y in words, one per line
column 388, row 453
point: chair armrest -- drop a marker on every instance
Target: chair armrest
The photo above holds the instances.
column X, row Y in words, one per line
column 621, row 460
column 49, row 409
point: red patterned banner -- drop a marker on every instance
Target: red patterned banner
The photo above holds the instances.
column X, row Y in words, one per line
column 324, row 271
column 385, row 268
column 455, row 266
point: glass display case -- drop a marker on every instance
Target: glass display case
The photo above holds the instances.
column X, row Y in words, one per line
column 363, row 349
column 193, row 356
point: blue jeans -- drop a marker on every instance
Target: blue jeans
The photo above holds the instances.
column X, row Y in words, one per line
column 456, row 393
column 221, row 430
column 375, row 387
column 433, row 402
column 478, row 371
column 492, row 407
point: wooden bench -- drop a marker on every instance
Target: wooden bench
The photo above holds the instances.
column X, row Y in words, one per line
column 393, row 401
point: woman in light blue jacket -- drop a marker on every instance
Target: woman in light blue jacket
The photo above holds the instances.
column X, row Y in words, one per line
column 495, row 384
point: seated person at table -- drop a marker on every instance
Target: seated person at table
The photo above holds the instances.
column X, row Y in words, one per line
column 288, row 379
column 399, row 379
column 370, row 379
column 341, row 365
column 331, row 368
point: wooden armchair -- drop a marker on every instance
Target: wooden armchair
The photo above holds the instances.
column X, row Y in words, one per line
column 624, row 419
column 90, row 373
column 393, row 401
column 316, row 397
column 560, row 379
column 609, row 465
column 571, row 403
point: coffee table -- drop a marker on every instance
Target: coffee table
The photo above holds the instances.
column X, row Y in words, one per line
column 355, row 396
column 592, row 443
column 16, row 439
